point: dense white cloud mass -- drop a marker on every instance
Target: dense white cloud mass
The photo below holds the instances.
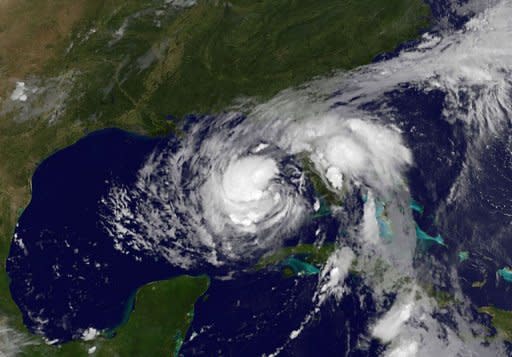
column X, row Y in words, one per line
column 332, row 277
column 20, row 92
column 389, row 326
column 407, row 349
column 244, row 193
column 343, row 146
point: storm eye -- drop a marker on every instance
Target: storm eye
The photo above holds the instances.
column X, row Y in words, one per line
column 248, row 203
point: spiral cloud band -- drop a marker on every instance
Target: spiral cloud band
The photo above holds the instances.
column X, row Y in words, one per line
column 234, row 187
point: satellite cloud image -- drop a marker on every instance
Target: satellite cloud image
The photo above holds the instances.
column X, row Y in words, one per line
column 265, row 178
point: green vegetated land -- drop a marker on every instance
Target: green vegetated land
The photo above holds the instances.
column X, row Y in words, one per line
column 308, row 252
column 156, row 327
column 322, row 189
column 194, row 60
column 501, row 320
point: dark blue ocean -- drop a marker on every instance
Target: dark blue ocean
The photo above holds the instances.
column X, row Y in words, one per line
column 66, row 275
